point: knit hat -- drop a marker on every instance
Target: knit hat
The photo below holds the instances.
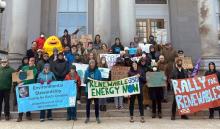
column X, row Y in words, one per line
column 73, row 67
column 46, row 65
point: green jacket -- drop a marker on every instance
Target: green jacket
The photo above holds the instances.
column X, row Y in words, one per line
column 6, row 77
column 25, row 69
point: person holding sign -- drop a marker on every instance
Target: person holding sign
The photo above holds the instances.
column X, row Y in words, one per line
column 142, row 80
column 73, row 75
column 93, row 73
column 31, row 66
column 5, row 87
column 156, row 95
column 212, row 70
column 153, row 55
column 178, row 73
column 46, row 76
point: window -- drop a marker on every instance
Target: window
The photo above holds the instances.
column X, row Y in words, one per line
column 147, row 27
column 151, row 1
column 72, row 14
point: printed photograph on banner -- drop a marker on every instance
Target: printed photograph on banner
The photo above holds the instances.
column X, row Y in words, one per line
column 110, row 58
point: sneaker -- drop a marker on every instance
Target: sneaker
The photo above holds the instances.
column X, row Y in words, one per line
column 87, row 120
column 159, row 115
column 132, row 119
column 7, row 118
column 211, row 116
column 50, row 118
column 153, row 115
column 142, row 119
column 19, row 119
column 173, row 117
column 42, row 120
column 28, row 118
column 184, row 117
column 98, row 120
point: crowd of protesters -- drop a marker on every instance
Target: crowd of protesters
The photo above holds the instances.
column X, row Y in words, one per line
column 58, row 67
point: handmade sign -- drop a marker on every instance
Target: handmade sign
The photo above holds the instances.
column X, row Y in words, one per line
column 136, row 58
column 58, row 94
column 85, row 39
column 81, row 68
column 132, row 51
column 187, row 62
column 110, row 58
column 196, row 94
column 156, row 79
column 145, row 47
column 21, row 76
column 105, row 89
column 161, row 35
column 119, row 72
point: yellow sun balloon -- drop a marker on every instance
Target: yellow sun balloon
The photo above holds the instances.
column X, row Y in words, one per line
column 51, row 43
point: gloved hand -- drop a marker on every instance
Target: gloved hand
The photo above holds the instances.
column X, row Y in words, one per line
column 41, row 82
column 49, row 81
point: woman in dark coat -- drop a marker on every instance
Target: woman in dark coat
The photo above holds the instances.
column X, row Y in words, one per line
column 212, row 70
column 117, row 47
column 134, row 71
column 153, row 55
column 156, row 95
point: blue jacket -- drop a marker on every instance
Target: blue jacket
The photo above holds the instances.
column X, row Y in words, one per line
column 70, row 59
column 94, row 74
column 46, row 77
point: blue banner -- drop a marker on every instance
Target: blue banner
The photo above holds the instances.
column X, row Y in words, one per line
column 57, row 94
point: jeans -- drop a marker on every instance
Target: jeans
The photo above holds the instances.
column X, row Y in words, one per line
column 71, row 112
column 140, row 104
column 88, row 103
column 118, row 101
column 156, row 104
column 5, row 96
column 42, row 114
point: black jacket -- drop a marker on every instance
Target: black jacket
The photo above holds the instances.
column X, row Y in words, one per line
column 59, row 68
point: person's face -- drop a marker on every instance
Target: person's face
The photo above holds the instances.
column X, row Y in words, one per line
column 136, row 40
column 103, row 61
column 65, row 33
column 60, row 57
column 23, row 92
column 77, row 57
column 74, row 49
column 42, row 35
column 212, row 67
column 46, row 69
column 4, row 63
column 161, row 59
column 104, row 47
column 34, row 45
column 143, row 62
column 180, row 55
column 117, row 41
column 92, row 65
column 67, row 49
column 179, row 63
column 72, row 70
column 134, row 65
column 91, row 56
column 31, row 62
column 90, row 45
column 55, row 52
column 26, row 61
column 97, row 38
column 39, row 53
column 152, row 49
column 151, row 38
column 46, row 57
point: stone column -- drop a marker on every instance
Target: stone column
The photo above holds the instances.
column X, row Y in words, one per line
column 127, row 21
column 208, row 32
column 102, row 19
column 19, row 31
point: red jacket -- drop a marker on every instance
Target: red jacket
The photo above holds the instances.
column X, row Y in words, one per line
column 76, row 78
column 40, row 42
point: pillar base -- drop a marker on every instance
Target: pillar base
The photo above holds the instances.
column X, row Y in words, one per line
column 205, row 61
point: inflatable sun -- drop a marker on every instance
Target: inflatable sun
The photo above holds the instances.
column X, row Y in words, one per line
column 51, row 43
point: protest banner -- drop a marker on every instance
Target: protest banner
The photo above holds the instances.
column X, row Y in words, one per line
column 196, row 94
column 132, row 51
column 110, row 58
column 81, row 68
column 187, row 62
column 21, row 76
column 119, row 72
column 105, row 89
column 156, row 79
column 58, row 94
column 145, row 47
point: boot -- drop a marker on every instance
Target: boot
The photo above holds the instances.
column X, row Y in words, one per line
column 184, row 117
column 153, row 115
column 159, row 115
column 173, row 117
column 87, row 120
column 142, row 119
column 132, row 119
column 19, row 119
column 98, row 120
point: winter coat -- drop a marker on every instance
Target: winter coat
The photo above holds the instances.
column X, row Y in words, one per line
column 59, row 68
column 45, row 77
column 6, row 77
column 93, row 74
column 40, row 42
column 40, row 65
column 25, row 69
column 76, row 78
